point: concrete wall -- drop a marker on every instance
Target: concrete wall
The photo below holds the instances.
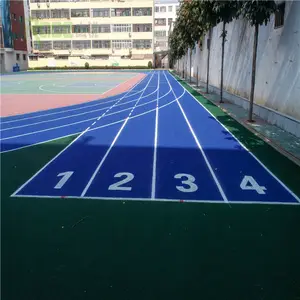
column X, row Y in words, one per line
column 9, row 59
column 76, row 62
column 278, row 62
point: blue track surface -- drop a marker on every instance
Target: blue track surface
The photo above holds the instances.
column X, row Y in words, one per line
column 155, row 142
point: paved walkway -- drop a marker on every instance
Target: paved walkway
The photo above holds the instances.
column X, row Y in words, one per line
column 283, row 141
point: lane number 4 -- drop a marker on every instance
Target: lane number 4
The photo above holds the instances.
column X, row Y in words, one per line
column 249, row 183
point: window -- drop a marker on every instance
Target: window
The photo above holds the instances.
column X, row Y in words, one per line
column 156, row 8
column 41, row 30
column 120, row 12
column 100, row 28
column 81, row 29
column 163, row 9
column 142, row 44
column 177, row 9
column 33, row 58
column 40, row 14
column 61, row 29
column 279, row 16
column 24, row 57
column 142, row 27
column 121, row 28
column 101, row 12
column 14, row 17
column 170, row 8
column 161, row 44
column 80, row 13
column 160, row 33
column 18, row 56
column 121, row 44
column 42, row 45
column 61, row 45
column 101, row 44
column 160, row 22
column 60, row 13
column 61, row 57
column 170, row 21
column 81, row 44
column 21, row 19
column 144, row 11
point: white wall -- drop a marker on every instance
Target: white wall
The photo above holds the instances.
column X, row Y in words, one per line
column 278, row 61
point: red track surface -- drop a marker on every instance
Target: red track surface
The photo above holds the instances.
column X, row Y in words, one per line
column 13, row 104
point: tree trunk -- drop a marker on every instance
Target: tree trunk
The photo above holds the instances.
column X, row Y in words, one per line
column 251, row 101
column 222, row 61
column 197, row 76
column 190, row 65
column 208, row 56
column 183, row 67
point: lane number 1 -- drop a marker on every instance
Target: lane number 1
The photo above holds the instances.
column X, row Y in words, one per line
column 65, row 176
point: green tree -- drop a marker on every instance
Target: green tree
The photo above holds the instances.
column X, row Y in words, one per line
column 257, row 12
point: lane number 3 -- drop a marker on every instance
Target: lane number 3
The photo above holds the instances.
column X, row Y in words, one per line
column 188, row 180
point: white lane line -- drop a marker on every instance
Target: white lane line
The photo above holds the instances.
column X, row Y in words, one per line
column 96, row 128
column 94, row 123
column 111, row 146
column 75, row 115
column 71, row 124
column 270, row 172
column 219, row 202
column 200, row 148
column 63, row 150
column 153, row 188
column 82, row 106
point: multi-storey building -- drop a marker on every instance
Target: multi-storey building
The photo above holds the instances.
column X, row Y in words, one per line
column 165, row 14
column 13, row 45
column 100, row 32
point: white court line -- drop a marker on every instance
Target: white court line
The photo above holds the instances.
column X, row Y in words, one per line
column 53, row 92
column 82, row 106
column 96, row 128
column 200, row 148
column 111, row 146
column 153, row 188
column 74, row 123
column 80, row 114
column 239, row 202
column 63, row 150
column 273, row 175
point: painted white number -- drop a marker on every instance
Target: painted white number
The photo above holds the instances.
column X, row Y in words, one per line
column 65, row 176
column 249, row 183
column 118, row 185
column 192, row 187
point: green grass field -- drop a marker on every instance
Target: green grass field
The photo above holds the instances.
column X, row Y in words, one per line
column 86, row 249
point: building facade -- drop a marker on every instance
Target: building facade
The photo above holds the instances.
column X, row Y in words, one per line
column 13, row 48
column 165, row 14
column 100, row 32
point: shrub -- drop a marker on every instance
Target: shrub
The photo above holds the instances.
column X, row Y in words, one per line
column 86, row 65
column 150, row 64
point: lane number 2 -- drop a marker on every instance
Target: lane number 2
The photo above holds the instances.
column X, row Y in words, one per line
column 189, row 181
column 118, row 186
column 249, row 183
column 65, row 176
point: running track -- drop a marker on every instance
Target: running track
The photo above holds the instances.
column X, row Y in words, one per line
column 155, row 142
